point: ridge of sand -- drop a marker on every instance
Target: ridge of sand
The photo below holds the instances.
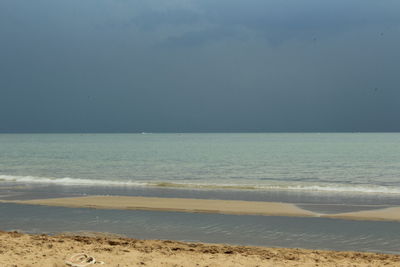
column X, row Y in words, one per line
column 18, row 249
column 386, row 214
column 174, row 204
column 237, row 207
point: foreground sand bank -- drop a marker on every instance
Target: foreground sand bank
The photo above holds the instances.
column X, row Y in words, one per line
column 207, row 206
column 25, row 250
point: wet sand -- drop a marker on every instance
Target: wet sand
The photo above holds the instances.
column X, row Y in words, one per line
column 387, row 214
column 18, row 249
column 174, row 204
column 208, row 206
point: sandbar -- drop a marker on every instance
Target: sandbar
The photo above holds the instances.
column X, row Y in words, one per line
column 387, row 214
column 174, row 204
column 208, row 206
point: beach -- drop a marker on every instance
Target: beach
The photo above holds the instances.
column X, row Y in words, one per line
column 266, row 199
column 18, row 249
column 113, row 249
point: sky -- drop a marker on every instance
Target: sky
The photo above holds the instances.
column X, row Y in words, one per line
column 199, row 66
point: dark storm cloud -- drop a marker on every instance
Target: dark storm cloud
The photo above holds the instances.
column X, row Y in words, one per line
column 152, row 19
column 185, row 65
column 201, row 37
column 276, row 21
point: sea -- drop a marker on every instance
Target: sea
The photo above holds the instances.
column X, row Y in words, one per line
column 322, row 172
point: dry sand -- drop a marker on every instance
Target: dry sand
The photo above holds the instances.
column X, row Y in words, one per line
column 207, row 206
column 25, row 250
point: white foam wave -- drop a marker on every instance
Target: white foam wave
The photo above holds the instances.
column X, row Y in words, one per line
column 345, row 189
column 66, row 181
column 284, row 187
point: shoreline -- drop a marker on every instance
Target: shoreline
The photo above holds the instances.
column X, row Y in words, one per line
column 44, row 250
column 192, row 205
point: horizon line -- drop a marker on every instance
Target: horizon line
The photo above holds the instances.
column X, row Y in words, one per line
column 194, row 132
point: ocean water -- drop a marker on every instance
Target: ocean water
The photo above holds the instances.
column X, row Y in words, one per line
column 299, row 162
column 326, row 173
column 311, row 233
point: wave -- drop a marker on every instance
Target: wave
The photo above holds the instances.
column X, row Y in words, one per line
column 285, row 186
column 309, row 188
column 66, row 181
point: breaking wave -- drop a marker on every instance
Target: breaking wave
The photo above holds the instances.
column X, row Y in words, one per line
column 285, row 186
column 66, row 181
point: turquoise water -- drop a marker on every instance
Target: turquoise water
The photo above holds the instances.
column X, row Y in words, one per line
column 325, row 173
column 366, row 163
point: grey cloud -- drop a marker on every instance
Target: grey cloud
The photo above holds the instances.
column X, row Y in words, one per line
column 213, row 66
column 277, row 21
column 153, row 19
column 201, row 37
